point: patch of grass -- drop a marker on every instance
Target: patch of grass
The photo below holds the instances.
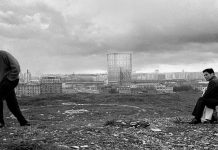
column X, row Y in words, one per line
column 110, row 122
column 34, row 145
column 94, row 128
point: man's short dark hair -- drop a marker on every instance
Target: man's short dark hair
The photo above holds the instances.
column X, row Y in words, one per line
column 209, row 70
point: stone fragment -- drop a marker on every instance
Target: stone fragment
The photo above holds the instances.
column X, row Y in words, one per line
column 75, row 147
column 155, row 129
column 84, row 146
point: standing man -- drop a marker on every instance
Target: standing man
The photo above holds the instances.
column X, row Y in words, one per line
column 9, row 78
column 209, row 98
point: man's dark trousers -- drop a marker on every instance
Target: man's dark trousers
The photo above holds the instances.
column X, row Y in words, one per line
column 7, row 92
column 200, row 105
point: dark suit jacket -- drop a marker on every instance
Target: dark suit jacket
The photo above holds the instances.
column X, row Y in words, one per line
column 212, row 89
column 9, row 66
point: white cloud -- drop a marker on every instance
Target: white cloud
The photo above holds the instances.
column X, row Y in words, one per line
column 168, row 32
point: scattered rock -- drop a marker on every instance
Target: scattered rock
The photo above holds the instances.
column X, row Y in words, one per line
column 155, row 129
column 69, row 103
column 84, row 146
column 127, row 123
column 75, row 147
column 63, row 146
column 78, row 111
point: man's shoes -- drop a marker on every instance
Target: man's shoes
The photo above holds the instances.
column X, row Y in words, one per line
column 214, row 118
column 2, row 125
column 195, row 121
column 207, row 122
column 25, row 124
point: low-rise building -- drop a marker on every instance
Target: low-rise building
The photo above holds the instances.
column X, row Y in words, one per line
column 124, row 90
column 51, row 85
column 27, row 89
column 135, row 90
column 146, row 85
column 164, row 89
column 200, row 85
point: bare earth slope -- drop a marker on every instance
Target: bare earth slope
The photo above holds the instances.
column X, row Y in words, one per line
column 125, row 122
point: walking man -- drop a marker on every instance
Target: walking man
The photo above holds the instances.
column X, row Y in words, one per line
column 209, row 98
column 9, row 78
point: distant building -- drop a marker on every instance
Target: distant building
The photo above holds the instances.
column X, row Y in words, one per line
column 51, row 85
column 164, row 89
column 168, row 76
column 146, row 85
column 201, row 86
column 161, row 76
column 89, row 89
column 194, row 75
column 26, row 76
column 146, row 76
column 27, row 89
column 135, row 90
column 156, row 74
column 119, row 68
column 124, row 90
column 109, row 89
column 101, row 77
column 68, row 89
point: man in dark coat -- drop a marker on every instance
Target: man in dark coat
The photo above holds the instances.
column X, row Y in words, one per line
column 209, row 98
column 9, row 78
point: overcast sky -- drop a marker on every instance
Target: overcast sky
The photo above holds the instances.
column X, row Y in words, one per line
column 74, row 36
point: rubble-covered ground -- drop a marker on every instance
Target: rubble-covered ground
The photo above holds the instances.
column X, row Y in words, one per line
column 122, row 122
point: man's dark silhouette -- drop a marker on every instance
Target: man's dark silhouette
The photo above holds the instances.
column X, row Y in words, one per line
column 9, row 78
column 209, row 98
